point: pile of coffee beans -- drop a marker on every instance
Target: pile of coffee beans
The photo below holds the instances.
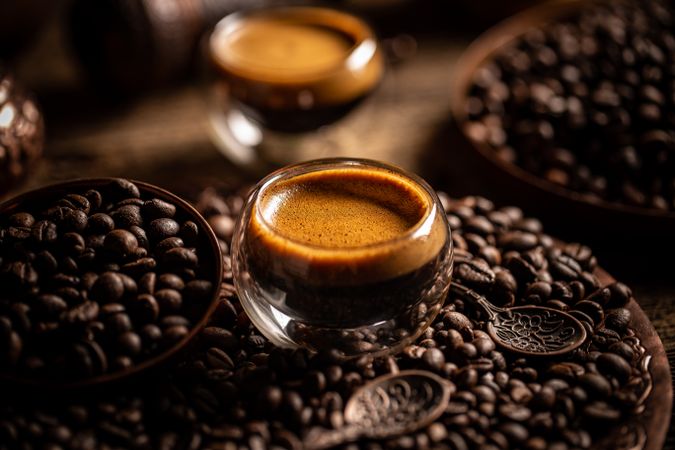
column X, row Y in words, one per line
column 237, row 391
column 587, row 103
column 21, row 131
column 97, row 280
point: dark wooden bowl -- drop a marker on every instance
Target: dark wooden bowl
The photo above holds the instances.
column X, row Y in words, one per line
column 580, row 213
column 214, row 267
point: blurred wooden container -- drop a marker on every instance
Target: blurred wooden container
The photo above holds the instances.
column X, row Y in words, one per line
column 580, row 216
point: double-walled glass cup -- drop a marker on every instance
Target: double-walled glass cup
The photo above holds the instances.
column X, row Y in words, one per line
column 316, row 264
column 281, row 77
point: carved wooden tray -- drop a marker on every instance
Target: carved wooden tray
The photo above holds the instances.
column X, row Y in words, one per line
column 646, row 430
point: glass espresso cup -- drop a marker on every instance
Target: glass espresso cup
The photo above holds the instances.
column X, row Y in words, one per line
column 280, row 74
column 345, row 255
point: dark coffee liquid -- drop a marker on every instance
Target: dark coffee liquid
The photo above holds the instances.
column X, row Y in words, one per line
column 334, row 306
column 296, row 119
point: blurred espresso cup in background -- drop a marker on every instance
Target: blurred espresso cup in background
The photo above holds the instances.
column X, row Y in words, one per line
column 279, row 75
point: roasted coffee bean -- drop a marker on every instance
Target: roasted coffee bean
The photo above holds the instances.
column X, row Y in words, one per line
column 108, row 287
column 74, row 220
column 169, row 300
column 540, row 289
column 566, row 267
column 44, row 232
column 181, row 257
column 459, row 322
column 198, row 290
column 223, row 226
column 163, row 228
column 95, row 199
column 189, row 232
column 566, row 370
column 129, row 343
column 518, row 240
column 140, row 266
column 127, row 216
column 140, row 235
column 220, row 337
column 45, row 262
column 174, row 320
column 614, row 365
column 618, row 319
column 170, row 281
column 484, row 345
column 120, row 189
column 121, row 243
column 145, row 308
column 73, row 243
column 75, row 201
column 158, row 209
column 147, row 283
column 49, row 305
column 433, row 359
column 19, row 233
column 624, row 350
column 218, row 359
column 601, row 412
column 522, row 270
column 475, row 273
column 504, row 288
column 168, row 244
column 83, row 313
column 21, row 219
column 150, row 335
column 592, row 309
column 600, row 296
column 118, row 323
column 620, row 295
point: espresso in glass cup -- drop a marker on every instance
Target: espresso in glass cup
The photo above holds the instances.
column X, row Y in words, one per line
column 347, row 255
column 280, row 74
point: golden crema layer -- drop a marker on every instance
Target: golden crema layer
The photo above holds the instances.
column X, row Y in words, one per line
column 346, row 226
column 295, row 57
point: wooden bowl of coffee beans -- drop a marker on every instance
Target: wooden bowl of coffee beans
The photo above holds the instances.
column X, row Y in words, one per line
column 101, row 279
column 569, row 105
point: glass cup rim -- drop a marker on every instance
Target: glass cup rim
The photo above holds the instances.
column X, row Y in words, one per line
column 365, row 40
column 315, row 165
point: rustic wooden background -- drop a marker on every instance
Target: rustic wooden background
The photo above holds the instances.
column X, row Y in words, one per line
column 163, row 137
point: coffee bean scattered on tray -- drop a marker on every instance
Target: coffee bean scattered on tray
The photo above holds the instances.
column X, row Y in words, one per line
column 97, row 280
column 586, row 103
column 237, row 391
column 21, row 131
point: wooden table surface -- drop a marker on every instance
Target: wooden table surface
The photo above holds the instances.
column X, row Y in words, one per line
column 163, row 138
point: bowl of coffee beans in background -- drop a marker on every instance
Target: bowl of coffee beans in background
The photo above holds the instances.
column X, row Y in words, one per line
column 571, row 102
column 101, row 279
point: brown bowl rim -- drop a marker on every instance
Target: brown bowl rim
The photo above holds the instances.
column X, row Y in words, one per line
column 159, row 359
column 482, row 50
